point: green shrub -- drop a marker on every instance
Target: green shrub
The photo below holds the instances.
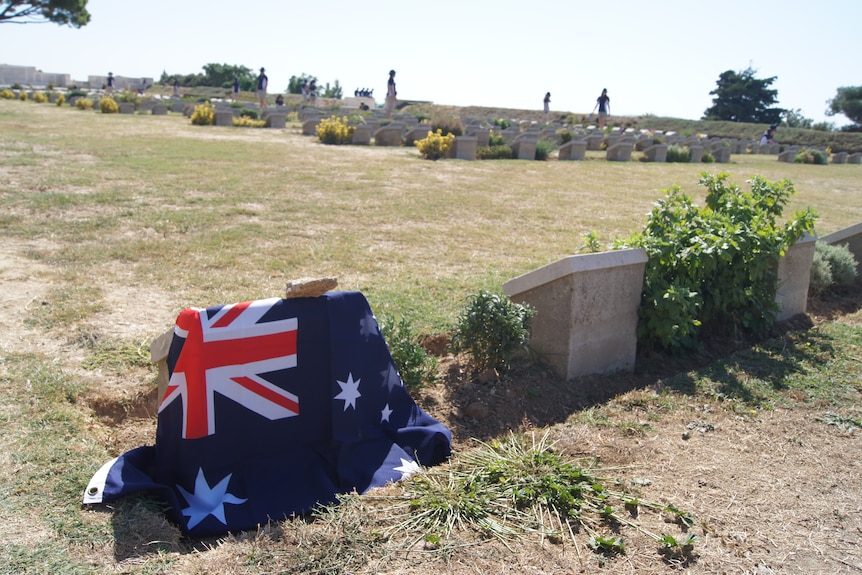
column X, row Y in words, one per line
column 436, row 145
column 204, row 115
column 502, row 123
column 22, row 95
column 16, row 86
column 714, row 267
column 833, row 265
column 415, row 366
column 495, row 139
column 73, row 93
column 678, row 154
column 707, row 158
column 108, row 106
column 491, row 328
column 565, row 136
column 84, row 104
column 335, row 131
column 7, row 94
column 61, row 99
column 544, row 149
column 128, row 97
column 497, row 152
column 247, row 113
column 805, row 156
column 447, row 125
column 40, row 98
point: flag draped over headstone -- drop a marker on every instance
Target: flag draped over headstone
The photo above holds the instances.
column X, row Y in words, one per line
column 272, row 407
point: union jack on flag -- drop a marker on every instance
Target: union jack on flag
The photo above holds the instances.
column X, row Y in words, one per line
column 272, row 407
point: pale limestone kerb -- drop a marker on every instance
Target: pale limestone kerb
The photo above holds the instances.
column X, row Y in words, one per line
column 464, row 147
column 586, row 320
column 794, row 275
column 850, row 237
column 224, row 118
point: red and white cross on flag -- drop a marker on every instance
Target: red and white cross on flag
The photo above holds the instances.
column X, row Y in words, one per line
column 225, row 354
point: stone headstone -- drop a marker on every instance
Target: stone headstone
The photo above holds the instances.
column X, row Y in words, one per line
column 464, row 147
column 573, row 150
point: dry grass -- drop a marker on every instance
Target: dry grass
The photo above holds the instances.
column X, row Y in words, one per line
column 105, row 216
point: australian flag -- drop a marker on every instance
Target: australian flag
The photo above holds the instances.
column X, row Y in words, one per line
column 272, row 407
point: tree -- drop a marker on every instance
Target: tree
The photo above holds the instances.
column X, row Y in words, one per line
column 847, row 101
column 294, row 85
column 222, row 75
column 333, row 92
column 740, row 97
column 64, row 12
column 795, row 119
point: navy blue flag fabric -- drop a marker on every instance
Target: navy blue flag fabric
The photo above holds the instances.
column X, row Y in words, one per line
column 272, row 407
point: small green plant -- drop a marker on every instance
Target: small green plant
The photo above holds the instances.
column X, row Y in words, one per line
column 61, row 99
column 607, row 545
column 498, row 152
column 436, row 145
column 491, row 328
column 544, row 149
column 247, row 113
column 108, row 106
column 7, row 94
column 833, row 265
column 592, row 243
column 707, row 158
column 204, row 114
column 565, row 136
column 84, row 104
column 335, row 131
column 502, row 123
column 415, row 366
column 806, row 156
column 128, row 97
column 22, row 96
column 677, row 551
column 40, row 98
column 678, row 154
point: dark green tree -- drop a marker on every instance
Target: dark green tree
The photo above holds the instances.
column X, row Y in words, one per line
column 294, row 85
column 795, row 119
column 64, row 12
column 333, row 92
column 222, row 75
column 740, row 97
column 847, row 101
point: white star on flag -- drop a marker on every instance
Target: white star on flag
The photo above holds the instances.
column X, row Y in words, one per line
column 349, row 391
column 407, row 468
column 385, row 413
column 207, row 501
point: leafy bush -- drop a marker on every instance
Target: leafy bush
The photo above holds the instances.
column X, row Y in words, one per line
column 204, row 114
column 73, row 93
column 502, row 123
column 335, row 131
column 247, row 113
column 707, row 158
column 678, row 154
column 246, row 122
column 22, row 95
column 496, row 152
column 544, row 149
column 714, row 267
column 806, row 156
column 40, row 98
column 565, row 136
column 832, row 265
column 84, row 104
column 496, row 139
column 128, row 97
column 447, row 125
column 108, row 106
column 7, row 94
column 415, row 366
column 61, row 99
column 491, row 328
column 435, row 145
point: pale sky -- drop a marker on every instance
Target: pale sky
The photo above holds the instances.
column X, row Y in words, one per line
column 661, row 57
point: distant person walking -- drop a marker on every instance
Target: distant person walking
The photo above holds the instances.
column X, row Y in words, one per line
column 176, row 87
column 603, row 103
column 260, row 88
column 547, row 103
column 109, row 88
column 235, row 89
column 391, row 95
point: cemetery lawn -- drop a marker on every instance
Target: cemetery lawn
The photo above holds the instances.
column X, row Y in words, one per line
column 112, row 224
